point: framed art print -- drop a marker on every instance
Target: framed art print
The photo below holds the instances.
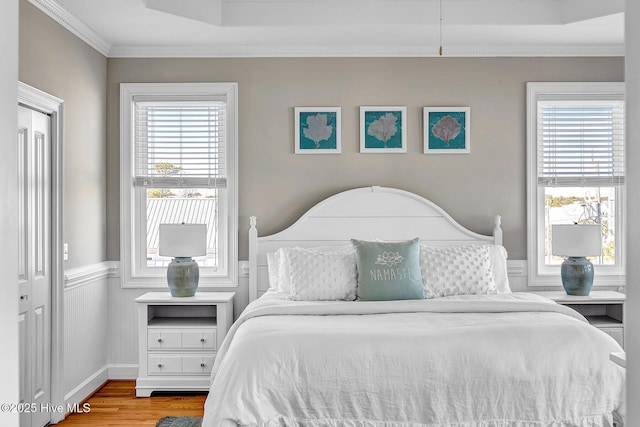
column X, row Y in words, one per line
column 447, row 130
column 317, row 130
column 383, row 129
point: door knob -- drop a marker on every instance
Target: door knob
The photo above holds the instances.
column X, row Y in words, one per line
column 24, row 297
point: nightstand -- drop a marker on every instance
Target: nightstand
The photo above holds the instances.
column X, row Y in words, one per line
column 603, row 309
column 179, row 338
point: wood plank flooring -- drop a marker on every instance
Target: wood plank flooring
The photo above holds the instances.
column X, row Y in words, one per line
column 116, row 405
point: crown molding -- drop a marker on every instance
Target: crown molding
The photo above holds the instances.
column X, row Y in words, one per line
column 59, row 14
column 330, row 51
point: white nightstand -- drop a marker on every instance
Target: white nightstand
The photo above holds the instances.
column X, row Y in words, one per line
column 603, row 309
column 179, row 338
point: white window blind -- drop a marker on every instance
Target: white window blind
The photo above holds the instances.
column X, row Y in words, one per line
column 180, row 144
column 580, row 143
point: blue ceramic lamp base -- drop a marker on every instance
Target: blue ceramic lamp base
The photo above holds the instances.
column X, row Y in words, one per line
column 182, row 276
column 577, row 276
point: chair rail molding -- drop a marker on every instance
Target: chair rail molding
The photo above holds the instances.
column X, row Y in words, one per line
column 90, row 273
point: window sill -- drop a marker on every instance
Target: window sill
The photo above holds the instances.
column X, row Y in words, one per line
column 160, row 282
column 600, row 281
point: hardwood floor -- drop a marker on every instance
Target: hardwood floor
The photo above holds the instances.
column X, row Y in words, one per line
column 116, row 405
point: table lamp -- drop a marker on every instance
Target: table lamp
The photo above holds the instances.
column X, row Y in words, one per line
column 183, row 241
column 575, row 242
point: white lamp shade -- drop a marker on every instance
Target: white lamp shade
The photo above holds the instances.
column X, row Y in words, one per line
column 576, row 240
column 183, row 240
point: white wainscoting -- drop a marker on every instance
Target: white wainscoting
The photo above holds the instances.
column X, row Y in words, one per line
column 517, row 272
column 123, row 330
column 86, row 326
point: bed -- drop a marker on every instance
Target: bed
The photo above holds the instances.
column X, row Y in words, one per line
column 376, row 308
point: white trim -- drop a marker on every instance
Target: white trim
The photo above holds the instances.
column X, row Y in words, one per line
column 123, row 371
column 243, row 269
column 97, row 379
column 87, row 274
column 48, row 104
column 536, row 91
column 69, row 21
column 78, row 28
column 87, row 387
column 517, row 267
column 114, row 270
column 355, row 52
column 131, row 277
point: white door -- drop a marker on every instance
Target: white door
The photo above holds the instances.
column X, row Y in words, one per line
column 34, row 266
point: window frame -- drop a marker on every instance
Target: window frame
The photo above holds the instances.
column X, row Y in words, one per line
column 540, row 274
column 134, row 272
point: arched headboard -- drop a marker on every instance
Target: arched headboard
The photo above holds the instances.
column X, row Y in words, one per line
column 363, row 213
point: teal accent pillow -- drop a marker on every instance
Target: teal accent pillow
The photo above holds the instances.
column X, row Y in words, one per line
column 388, row 270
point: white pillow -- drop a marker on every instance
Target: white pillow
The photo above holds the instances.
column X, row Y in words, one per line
column 281, row 272
column 322, row 276
column 499, row 256
column 457, row 270
column 284, row 277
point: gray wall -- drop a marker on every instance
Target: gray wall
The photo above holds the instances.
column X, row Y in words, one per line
column 57, row 62
column 278, row 186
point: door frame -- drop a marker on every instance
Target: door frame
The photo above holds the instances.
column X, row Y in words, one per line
column 38, row 100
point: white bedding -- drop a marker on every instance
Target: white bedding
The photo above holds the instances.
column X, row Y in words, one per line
column 466, row 361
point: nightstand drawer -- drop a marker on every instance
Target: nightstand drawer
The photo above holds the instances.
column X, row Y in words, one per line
column 169, row 339
column 165, row 364
column 158, row 339
column 178, row 364
column 197, row 364
column 203, row 339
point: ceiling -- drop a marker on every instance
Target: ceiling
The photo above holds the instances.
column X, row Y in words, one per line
column 265, row 28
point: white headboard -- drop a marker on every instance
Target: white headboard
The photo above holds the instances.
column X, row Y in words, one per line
column 364, row 213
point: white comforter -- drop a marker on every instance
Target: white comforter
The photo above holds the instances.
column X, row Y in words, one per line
column 471, row 361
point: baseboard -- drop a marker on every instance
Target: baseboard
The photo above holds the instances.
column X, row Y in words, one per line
column 123, row 372
column 87, row 387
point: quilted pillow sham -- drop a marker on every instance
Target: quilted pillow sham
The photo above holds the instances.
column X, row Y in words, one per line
column 459, row 270
column 388, row 270
column 322, row 276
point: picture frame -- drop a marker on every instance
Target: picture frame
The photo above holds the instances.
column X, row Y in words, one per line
column 318, row 130
column 447, row 130
column 383, row 129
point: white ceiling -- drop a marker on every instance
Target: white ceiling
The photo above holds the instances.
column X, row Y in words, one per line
column 254, row 28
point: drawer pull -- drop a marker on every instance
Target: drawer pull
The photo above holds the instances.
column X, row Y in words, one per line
column 159, row 365
column 202, row 340
column 202, row 365
column 159, row 339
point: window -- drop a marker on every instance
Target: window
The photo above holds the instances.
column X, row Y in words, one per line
column 178, row 164
column 575, row 150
